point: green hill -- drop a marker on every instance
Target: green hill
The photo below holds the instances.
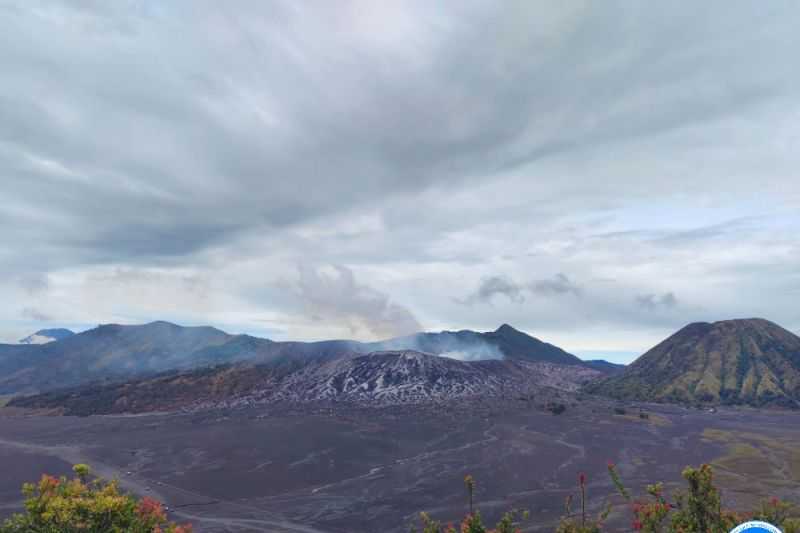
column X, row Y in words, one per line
column 749, row 361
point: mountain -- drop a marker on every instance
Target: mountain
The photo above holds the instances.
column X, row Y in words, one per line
column 110, row 351
column 606, row 367
column 375, row 380
column 504, row 342
column 749, row 361
column 43, row 336
column 119, row 353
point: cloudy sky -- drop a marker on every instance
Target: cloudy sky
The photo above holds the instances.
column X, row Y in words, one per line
column 597, row 174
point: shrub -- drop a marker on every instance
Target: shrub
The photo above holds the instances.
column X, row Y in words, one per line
column 556, row 408
column 571, row 523
column 620, row 411
column 77, row 505
column 472, row 523
column 696, row 509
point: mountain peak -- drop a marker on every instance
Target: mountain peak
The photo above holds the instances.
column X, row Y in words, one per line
column 751, row 361
column 163, row 323
column 506, row 328
column 746, row 322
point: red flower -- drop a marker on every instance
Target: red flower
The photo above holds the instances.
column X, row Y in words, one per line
column 151, row 509
column 582, row 478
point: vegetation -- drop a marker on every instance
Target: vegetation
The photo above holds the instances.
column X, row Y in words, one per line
column 696, row 509
column 733, row 362
column 81, row 505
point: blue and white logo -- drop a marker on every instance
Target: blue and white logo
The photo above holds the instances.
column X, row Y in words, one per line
column 755, row 527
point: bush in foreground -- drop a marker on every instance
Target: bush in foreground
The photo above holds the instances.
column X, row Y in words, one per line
column 696, row 509
column 78, row 505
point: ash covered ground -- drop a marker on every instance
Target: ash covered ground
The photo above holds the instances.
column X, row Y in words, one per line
column 321, row 468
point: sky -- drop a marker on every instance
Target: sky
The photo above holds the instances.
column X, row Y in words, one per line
column 597, row 174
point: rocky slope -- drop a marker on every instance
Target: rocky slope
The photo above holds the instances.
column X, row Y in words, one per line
column 375, row 380
column 751, row 361
column 409, row 376
column 119, row 353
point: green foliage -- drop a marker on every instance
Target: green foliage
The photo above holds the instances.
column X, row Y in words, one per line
column 696, row 509
column 61, row 505
column 473, row 523
column 581, row 524
column 82, row 471
column 776, row 511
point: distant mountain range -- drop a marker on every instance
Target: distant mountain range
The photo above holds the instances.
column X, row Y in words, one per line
column 116, row 353
column 43, row 336
column 753, row 362
column 604, row 366
column 161, row 366
column 377, row 379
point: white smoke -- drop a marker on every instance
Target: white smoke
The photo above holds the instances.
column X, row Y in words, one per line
column 339, row 298
column 464, row 346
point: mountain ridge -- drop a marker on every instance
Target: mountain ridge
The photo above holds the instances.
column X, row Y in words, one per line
column 121, row 352
column 376, row 379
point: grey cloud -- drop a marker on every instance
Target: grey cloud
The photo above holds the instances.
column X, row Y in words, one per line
column 253, row 119
column 34, row 314
column 131, row 276
column 340, row 299
column 495, row 286
column 34, row 283
column 559, row 284
column 651, row 302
